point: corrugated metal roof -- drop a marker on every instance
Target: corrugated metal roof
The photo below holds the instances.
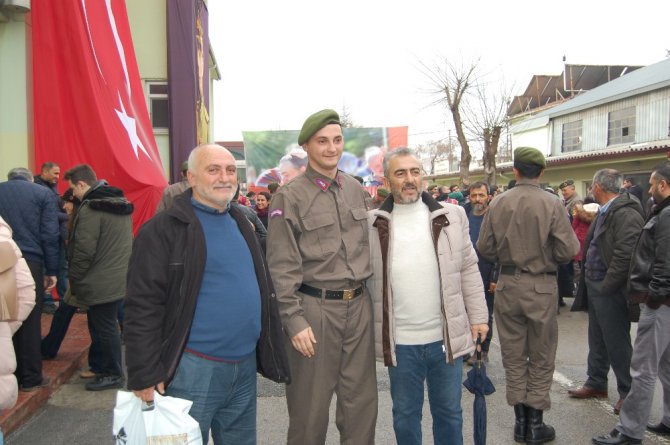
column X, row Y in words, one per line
column 643, row 80
column 549, row 90
column 529, row 124
column 609, row 153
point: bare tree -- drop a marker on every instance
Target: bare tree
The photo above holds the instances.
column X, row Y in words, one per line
column 435, row 151
column 487, row 116
column 345, row 118
column 452, row 82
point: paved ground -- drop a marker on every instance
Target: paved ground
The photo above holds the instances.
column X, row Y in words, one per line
column 74, row 416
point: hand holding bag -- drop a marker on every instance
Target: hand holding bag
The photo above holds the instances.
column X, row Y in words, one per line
column 165, row 422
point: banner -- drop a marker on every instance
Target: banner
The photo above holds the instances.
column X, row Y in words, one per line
column 188, row 74
column 275, row 156
column 88, row 102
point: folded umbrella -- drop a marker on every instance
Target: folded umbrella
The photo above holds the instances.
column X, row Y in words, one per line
column 480, row 385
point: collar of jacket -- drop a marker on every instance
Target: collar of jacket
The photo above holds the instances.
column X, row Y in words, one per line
column 660, row 206
column 182, row 208
column 438, row 214
column 625, row 199
column 321, row 181
column 433, row 205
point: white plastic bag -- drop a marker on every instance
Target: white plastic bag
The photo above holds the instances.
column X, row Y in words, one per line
column 166, row 422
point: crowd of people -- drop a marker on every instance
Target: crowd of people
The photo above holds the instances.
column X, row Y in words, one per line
column 311, row 282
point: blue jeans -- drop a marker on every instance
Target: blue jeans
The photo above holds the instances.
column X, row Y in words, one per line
column 416, row 364
column 223, row 396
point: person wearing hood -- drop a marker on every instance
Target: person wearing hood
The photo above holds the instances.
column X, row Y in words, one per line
column 98, row 253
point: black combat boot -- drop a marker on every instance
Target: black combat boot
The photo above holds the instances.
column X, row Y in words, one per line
column 521, row 414
column 538, row 432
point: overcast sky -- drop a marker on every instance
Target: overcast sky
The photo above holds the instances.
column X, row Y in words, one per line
column 283, row 60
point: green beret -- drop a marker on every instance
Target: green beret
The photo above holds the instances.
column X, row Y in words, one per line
column 529, row 155
column 184, row 166
column 566, row 183
column 382, row 192
column 316, row 122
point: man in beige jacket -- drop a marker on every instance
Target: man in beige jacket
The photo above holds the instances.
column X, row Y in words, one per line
column 428, row 298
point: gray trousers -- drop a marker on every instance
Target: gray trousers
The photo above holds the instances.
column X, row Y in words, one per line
column 651, row 358
column 609, row 339
column 344, row 364
column 525, row 313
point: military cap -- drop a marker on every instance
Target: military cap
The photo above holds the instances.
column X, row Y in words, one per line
column 382, row 192
column 316, row 122
column 530, row 155
column 566, row 183
column 184, row 166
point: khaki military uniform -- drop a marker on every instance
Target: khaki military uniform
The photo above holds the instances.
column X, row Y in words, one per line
column 317, row 236
column 528, row 232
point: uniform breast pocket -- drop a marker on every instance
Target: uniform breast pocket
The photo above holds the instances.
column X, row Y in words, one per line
column 361, row 217
column 320, row 236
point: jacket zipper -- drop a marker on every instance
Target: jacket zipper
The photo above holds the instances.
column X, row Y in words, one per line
column 447, row 340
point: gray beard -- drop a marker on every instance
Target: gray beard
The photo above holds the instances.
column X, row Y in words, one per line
column 479, row 209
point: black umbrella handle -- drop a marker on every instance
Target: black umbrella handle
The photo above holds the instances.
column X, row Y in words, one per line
column 478, row 349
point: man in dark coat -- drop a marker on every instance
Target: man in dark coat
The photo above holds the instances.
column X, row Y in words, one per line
column 98, row 252
column 30, row 210
column 649, row 285
column 607, row 249
column 201, row 315
column 48, row 177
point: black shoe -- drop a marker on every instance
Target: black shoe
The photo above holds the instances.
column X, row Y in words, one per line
column 102, row 383
column 561, row 302
column 521, row 415
column 660, row 428
column 538, row 432
column 46, row 381
column 616, row 437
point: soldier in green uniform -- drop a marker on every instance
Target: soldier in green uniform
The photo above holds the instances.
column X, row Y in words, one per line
column 318, row 255
column 528, row 232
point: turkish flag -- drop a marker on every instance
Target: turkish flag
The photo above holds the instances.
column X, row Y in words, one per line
column 88, row 103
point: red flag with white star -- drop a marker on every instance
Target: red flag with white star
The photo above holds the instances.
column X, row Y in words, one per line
column 89, row 106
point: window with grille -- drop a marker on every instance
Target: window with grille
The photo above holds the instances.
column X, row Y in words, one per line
column 572, row 137
column 158, row 105
column 621, row 126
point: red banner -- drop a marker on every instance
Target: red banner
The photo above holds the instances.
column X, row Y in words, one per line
column 88, row 101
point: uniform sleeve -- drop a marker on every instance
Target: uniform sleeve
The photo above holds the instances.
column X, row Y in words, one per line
column 564, row 240
column 486, row 243
column 285, row 263
column 165, row 202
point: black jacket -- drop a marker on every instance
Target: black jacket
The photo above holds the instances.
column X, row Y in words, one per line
column 649, row 279
column 164, row 277
column 32, row 213
column 616, row 239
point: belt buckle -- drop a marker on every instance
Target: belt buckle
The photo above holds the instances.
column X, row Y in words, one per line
column 348, row 294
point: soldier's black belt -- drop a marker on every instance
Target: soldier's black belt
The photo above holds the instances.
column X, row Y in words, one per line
column 513, row 270
column 346, row 294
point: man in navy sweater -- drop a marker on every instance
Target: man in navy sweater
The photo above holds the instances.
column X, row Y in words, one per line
column 199, row 305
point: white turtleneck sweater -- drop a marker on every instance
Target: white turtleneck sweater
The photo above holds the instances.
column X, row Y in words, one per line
column 415, row 279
